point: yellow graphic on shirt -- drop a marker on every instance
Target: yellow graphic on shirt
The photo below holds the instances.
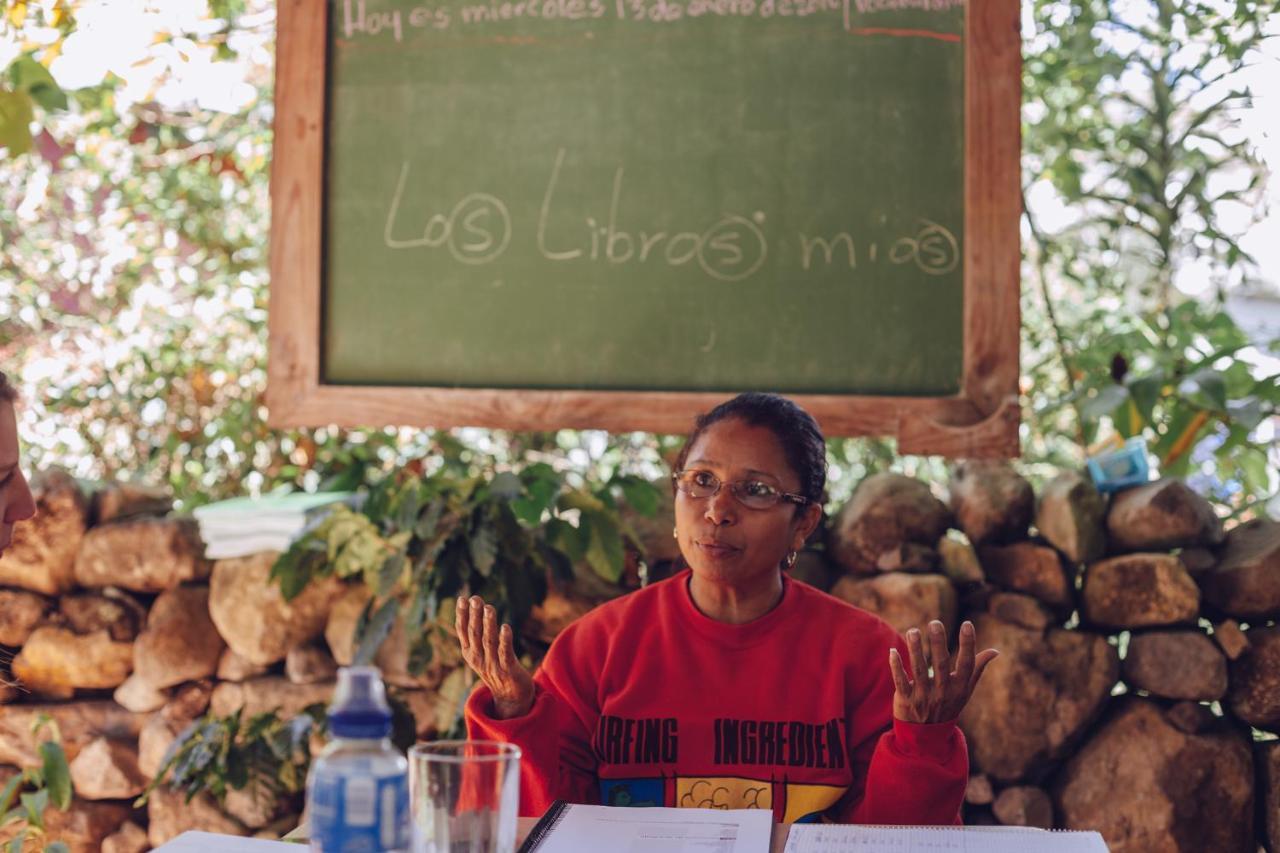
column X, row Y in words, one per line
column 803, row 800
column 723, row 792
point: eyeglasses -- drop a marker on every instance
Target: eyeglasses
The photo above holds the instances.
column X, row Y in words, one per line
column 753, row 494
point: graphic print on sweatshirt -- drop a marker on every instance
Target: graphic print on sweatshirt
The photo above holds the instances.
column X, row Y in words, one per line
column 752, row 764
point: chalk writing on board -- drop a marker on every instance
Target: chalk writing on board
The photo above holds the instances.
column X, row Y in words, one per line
column 864, row 6
column 933, row 249
column 730, row 249
column 476, row 230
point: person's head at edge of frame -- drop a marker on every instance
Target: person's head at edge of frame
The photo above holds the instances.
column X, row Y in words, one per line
column 749, row 489
column 16, row 502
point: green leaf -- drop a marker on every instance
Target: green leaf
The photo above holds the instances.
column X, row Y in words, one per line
column 505, row 485
column 641, row 495
column 483, row 546
column 393, row 569
column 33, row 78
column 57, row 847
column 57, row 775
column 1207, row 388
column 375, row 633
column 1105, row 402
column 9, row 792
column 16, row 115
column 15, row 844
column 35, row 803
column 605, row 554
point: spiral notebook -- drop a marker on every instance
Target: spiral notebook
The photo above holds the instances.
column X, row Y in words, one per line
column 574, row 828
column 570, row 828
column 841, row 838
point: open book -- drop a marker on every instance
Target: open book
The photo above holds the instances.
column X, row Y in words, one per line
column 569, row 828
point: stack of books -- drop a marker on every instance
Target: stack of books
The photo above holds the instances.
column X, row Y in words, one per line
column 243, row 526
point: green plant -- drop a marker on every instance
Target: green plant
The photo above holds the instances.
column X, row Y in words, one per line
column 266, row 754
column 1132, row 125
column 420, row 540
column 35, row 789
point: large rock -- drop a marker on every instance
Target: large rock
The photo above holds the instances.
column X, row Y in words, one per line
column 232, row 667
column 1266, row 756
column 1230, row 639
column 1033, row 569
column 116, row 612
column 129, row 838
column 169, row 815
column 1254, row 695
column 144, row 555
column 42, row 556
column 79, row 723
column 252, row 615
column 1070, row 515
column 392, row 657
column 1159, row 516
column 959, row 560
column 1245, row 583
column 107, row 769
column 154, row 741
column 272, row 693
column 20, row 612
column 1176, row 665
column 56, row 662
column 120, row 501
column 1147, row 786
column 1024, row 805
column 1020, row 609
column 1139, row 591
column 138, row 696
column 991, row 501
column 1037, row 698
column 83, row 827
column 903, row 600
column 188, row 703
column 887, row 512
column 179, row 643
column 309, row 664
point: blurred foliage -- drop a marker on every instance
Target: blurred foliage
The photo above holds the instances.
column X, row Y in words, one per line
column 418, row 542
column 267, row 755
column 1131, row 121
column 30, row 792
column 133, row 283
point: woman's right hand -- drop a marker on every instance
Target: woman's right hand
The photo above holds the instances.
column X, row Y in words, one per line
column 489, row 651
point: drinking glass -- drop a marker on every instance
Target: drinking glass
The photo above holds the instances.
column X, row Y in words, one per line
column 464, row 796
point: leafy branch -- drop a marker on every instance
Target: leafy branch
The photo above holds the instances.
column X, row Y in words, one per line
column 27, row 795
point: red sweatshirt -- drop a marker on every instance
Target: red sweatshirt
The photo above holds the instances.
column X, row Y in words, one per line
column 647, row 702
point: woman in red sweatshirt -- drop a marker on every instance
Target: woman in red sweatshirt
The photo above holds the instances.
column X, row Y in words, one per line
column 731, row 685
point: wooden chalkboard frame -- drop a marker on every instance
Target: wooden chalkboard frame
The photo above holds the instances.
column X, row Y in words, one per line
column 982, row 420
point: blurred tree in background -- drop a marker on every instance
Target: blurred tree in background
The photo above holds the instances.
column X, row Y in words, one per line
column 135, row 144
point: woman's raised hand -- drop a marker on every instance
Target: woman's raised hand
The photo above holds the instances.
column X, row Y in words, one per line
column 488, row 650
column 923, row 698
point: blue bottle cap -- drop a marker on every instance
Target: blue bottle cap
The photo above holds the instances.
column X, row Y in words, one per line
column 360, row 708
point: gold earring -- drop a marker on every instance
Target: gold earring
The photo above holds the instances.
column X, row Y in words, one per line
column 791, row 560
column 675, row 533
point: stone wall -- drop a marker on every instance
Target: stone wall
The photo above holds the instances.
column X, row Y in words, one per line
column 1138, row 680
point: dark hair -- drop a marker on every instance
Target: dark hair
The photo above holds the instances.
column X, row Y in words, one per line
column 7, row 392
column 795, row 429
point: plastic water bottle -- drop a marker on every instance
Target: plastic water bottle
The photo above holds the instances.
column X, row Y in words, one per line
column 358, row 789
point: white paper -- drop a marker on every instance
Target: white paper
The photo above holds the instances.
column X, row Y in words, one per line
column 844, row 838
column 210, row 842
column 589, row 829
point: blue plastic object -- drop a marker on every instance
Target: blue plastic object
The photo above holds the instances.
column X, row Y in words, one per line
column 1121, row 468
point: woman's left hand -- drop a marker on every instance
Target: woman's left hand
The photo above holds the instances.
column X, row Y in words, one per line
column 937, row 698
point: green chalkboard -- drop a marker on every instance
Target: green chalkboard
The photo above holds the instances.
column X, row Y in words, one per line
column 645, row 195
